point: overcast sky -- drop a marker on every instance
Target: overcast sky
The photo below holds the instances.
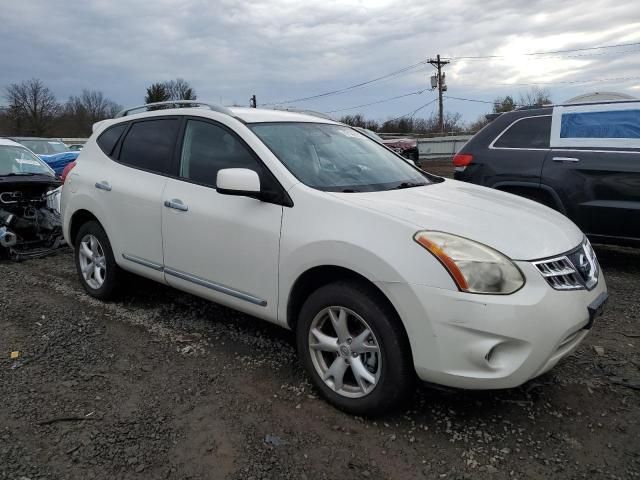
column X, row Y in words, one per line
column 287, row 49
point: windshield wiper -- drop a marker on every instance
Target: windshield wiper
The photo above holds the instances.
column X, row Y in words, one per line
column 407, row 185
column 22, row 174
column 350, row 190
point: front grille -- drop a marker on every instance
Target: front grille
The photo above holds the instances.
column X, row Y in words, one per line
column 559, row 273
column 574, row 270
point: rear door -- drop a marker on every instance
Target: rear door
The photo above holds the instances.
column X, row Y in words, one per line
column 517, row 154
column 594, row 166
column 131, row 192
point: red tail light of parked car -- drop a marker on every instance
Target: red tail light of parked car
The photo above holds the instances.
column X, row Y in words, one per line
column 66, row 171
column 462, row 161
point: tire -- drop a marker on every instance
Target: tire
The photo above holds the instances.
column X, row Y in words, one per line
column 390, row 367
column 103, row 261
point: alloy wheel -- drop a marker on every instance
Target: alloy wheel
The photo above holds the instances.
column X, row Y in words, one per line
column 93, row 264
column 345, row 352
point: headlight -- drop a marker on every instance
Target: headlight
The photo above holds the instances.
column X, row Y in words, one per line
column 474, row 267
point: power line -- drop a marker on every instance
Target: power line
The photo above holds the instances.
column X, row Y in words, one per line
column 545, row 57
column 418, row 92
column 351, row 87
column 570, row 50
column 411, row 114
column 469, row 99
column 559, row 82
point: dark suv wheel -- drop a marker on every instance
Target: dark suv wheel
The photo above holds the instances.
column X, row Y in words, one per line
column 355, row 349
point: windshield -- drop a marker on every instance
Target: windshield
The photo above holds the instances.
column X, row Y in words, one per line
column 20, row 161
column 45, row 147
column 337, row 158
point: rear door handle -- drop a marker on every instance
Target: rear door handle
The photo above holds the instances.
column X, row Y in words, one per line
column 565, row 159
column 176, row 204
column 103, row 186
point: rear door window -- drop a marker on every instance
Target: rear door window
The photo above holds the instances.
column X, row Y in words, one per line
column 149, row 145
column 531, row 132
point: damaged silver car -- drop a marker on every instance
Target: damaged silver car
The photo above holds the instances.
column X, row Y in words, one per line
column 29, row 215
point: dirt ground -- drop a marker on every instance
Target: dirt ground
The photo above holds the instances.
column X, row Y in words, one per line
column 161, row 384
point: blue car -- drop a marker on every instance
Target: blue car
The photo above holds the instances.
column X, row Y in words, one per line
column 54, row 153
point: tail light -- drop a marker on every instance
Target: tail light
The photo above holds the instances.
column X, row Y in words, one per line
column 462, row 161
column 66, row 171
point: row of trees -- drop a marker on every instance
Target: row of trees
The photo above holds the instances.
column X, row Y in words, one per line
column 178, row 89
column 33, row 110
column 452, row 122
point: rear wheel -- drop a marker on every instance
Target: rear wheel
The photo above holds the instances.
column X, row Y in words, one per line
column 95, row 263
column 354, row 348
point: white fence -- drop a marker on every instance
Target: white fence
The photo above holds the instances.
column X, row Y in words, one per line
column 441, row 147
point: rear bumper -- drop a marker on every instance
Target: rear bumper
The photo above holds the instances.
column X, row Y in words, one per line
column 491, row 341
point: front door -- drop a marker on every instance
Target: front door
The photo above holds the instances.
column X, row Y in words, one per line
column 222, row 247
column 600, row 189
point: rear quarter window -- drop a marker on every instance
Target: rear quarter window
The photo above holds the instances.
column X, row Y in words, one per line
column 530, row 132
column 108, row 139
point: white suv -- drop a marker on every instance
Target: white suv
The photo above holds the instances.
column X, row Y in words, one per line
column 385, row 273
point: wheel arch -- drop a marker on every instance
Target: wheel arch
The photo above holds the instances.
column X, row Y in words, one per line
column 79, row 218
column 545, row 192
column 318, row 276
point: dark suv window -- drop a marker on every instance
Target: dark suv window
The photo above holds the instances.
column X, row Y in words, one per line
column 533, row 132
column 108, row 139
column 149, row 145
column 208, row 148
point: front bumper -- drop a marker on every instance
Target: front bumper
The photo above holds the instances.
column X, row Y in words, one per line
column 475, row 341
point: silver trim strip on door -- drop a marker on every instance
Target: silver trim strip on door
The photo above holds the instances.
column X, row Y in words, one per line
column 215, row 286
column 197, row 280
column 142, row 261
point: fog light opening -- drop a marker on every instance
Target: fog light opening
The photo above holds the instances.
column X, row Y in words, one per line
column 490, row 355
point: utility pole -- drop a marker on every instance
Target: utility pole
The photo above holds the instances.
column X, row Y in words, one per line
column 442, row 87
column 252, row 102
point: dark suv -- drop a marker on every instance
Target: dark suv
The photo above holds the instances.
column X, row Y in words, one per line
column 582, row 160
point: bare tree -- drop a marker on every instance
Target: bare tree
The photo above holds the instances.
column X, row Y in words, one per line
column 478, row 124
column 179, row 89
column 536, row 96
column 90, row 107
column 358, row 120
column 32, row 106
column 451, row 123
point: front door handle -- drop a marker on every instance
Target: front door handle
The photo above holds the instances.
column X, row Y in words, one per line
column 176, row 204
column 103, row 186
column 565, row 159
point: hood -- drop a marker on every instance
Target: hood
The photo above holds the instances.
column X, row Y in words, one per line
column 517, row 227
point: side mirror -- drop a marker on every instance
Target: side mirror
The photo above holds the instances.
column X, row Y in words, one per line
column 238, row 181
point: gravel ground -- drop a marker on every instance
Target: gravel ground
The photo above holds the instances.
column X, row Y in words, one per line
column 164, row 385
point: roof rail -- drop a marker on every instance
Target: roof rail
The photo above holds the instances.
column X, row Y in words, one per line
column 175, row 103
column 312, row 113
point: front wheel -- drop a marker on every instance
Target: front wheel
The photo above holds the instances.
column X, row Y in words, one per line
column 355, row 349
